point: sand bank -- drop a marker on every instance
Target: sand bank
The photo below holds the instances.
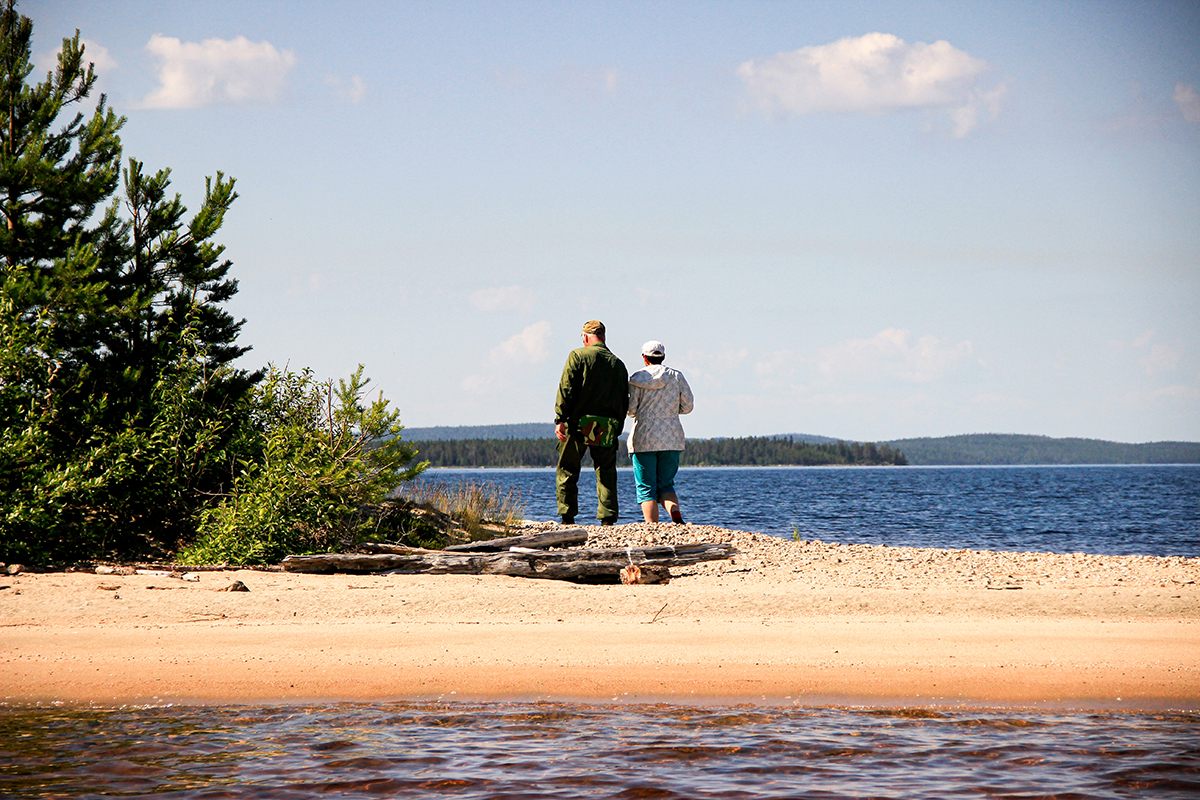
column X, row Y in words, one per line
column 782, row 622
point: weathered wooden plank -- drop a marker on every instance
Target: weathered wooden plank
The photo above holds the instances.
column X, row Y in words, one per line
column 567, row 537
column 554, row 564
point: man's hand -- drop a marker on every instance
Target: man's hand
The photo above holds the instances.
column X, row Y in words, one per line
column 560, row 430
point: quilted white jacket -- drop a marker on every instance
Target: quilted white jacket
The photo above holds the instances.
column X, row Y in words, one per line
column 657, row 396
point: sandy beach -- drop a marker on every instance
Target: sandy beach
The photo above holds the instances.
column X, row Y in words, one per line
column 782, row 622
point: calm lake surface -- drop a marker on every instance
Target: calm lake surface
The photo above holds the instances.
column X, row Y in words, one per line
column 555, row 750
column 1111, row 510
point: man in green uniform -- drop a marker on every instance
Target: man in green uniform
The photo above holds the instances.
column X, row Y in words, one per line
column 589, row 414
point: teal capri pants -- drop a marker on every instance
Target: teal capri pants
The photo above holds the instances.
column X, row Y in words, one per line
column 654, row 473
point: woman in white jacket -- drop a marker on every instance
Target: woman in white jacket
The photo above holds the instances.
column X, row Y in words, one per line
column 657, row 396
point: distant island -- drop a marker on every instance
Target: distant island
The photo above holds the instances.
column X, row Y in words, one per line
column 994, row 449
column 532, row 444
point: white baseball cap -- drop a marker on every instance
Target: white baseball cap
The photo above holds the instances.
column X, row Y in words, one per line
column 653, row 348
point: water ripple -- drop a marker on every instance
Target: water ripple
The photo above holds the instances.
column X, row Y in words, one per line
column 551, row 750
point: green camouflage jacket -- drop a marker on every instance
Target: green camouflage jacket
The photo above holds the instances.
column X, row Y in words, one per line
column 594, row 382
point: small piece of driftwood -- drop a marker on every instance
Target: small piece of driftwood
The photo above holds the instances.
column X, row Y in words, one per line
column 648, row 574
column 576, row 564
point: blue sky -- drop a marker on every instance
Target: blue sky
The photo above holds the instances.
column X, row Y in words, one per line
column 866, row 220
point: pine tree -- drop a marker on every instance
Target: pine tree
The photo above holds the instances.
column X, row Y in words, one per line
column 120, row 413
column 165, row 281
column 52, row 180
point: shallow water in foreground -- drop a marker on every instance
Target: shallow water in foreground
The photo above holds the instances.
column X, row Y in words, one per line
column 560, row 750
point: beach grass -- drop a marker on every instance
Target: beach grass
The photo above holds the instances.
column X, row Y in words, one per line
column 475, row 506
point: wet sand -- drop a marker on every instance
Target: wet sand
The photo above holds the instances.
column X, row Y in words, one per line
column 782, row 622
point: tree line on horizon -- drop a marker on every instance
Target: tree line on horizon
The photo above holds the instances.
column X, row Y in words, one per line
column 996, row 449
column 752, row 451
column 974, row 449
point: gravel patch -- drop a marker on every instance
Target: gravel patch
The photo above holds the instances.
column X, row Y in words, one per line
column 824, row 564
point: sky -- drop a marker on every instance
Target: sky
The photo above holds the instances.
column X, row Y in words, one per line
column 867, row 220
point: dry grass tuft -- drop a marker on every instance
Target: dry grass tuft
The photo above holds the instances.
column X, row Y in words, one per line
column 477, row 507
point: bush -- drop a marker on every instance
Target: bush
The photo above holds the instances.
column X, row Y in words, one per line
column 320, row 460
column 77, row 486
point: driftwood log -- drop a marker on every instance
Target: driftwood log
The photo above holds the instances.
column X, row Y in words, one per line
column 574, row 564
column 568, row 537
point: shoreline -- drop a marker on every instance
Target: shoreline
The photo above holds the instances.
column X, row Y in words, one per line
column 782, row 623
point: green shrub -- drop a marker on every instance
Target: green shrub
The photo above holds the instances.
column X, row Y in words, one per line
column 90, row 487
column 323, row 457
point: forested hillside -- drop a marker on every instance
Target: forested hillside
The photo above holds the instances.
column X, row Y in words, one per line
column 751, row 451
column 522, row 430
column 998, row 449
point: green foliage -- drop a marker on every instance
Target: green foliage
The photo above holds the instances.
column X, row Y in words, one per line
column 401, row 521
column 54, row 178
column 769, row 451
column 92, row 499
column 491, row 452
column 163, row 359
column 321, row 459
column 161, row 271
column 119, row 413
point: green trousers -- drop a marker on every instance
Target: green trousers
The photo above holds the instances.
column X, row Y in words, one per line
column 570, row 456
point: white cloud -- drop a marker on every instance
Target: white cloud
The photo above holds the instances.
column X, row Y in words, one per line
column 1159, row 356
column 1162, row 358
column 1175, row 392
column 529, row 346
column 352, row 90
column 97, row 55
column 711, row 369
column 780, row 365
column 985, row 104
column 478, row 384
column 216, row 71
column 872, row 74
column 1175, row 395
column 1188, row 102
column 505, row 376
column 890, row 353
column 1154, row 357
column 502, row 298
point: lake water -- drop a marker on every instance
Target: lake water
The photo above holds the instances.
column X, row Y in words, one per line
column 1112, row 510
column 669, row 752
column 556, row 750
